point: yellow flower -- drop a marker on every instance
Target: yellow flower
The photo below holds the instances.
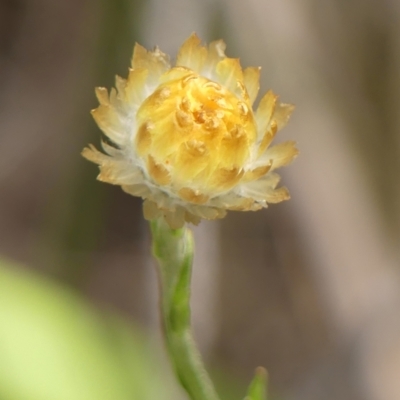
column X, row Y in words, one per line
column 186, row 138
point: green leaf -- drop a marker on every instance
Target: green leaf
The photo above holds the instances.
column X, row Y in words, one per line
column 258, row 386
column 54, row 346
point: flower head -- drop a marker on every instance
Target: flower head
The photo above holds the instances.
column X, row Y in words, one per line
column 186, row 139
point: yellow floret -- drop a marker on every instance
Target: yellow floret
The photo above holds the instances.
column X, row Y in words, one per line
column 186, row 139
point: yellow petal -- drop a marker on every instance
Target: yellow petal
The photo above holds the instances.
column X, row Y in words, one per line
column 112, row 170
column 155, row 62
column 158, row 172
column 192, row 55
column 246, row 204
column 143, row 139
column 251, row 77
column 192, row 159
column 256, row 173
column 110, row 123
column 216, row 52
column 268, row 137
column 206, row 212
column 234, row 149
column 120, row 174
column 102, row 95
column 175, row 219
column 150, row 210
column 192, row 196
column 164, row 200
column 277, row 195
column 120, row 84
column 236, row 201
column 224, row 179
column 233, row 201
column 281, row 154
column 265, row 111
column 175, row 73
column 193, row 219
column 140, row 57
column 116, row 153
column 259, row 189
column 137, row 190
column 282, row 114
column 135, row 86
column 93, row 155
column 230, row 74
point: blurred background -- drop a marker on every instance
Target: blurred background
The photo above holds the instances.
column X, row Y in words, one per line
column 309, row 288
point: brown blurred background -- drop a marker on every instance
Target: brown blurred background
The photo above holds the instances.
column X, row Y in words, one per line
column 309, row 288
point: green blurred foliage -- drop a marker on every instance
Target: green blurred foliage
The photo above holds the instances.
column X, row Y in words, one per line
column 54, row 346
column 257, row 389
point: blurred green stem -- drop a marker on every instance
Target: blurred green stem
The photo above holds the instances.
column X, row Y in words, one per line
column 173, row 249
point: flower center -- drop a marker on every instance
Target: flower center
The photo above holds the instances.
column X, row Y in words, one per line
column 193, row 133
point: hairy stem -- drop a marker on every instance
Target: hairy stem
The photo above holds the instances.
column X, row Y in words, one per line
column 173, row 249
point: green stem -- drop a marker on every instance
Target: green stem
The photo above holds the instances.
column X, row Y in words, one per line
column 173, row 249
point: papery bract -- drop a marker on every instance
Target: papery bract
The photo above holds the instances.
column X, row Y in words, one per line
column 185, row 138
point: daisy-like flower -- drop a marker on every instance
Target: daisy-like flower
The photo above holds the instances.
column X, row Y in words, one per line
column 185, row 138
